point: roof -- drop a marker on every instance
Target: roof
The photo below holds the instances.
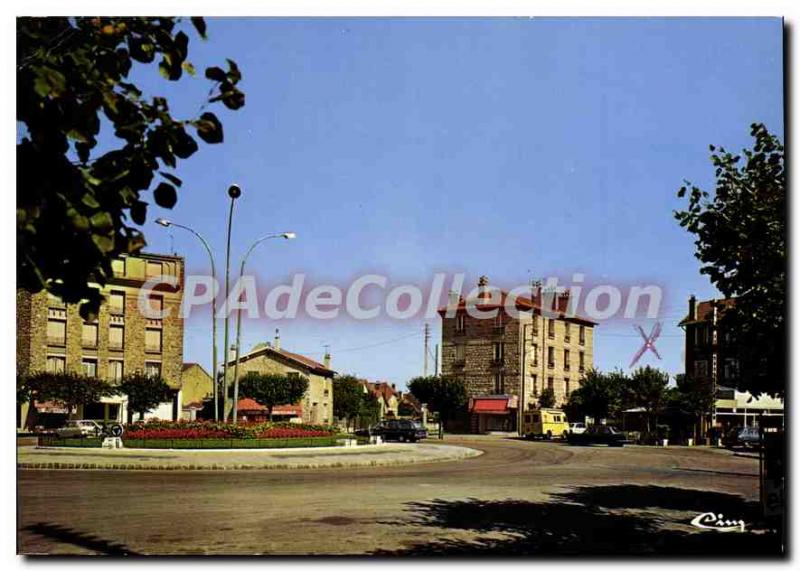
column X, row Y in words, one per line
column 381, row 389
column 187, row 366
column 296, row 358
column 250, row 405
column 483, row 303
column 704, row 310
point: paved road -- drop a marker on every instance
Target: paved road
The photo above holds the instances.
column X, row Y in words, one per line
column 517, row 498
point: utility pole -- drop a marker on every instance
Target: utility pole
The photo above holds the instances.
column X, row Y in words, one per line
column 425, row 360
column 436, row 361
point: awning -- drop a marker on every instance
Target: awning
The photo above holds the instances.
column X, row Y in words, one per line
column 492, row 404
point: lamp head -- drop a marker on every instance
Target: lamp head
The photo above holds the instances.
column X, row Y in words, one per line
column 163, row 222
column 234, row 191
column 289, row 235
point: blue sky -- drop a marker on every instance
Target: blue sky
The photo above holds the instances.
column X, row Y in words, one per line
column 505, row 147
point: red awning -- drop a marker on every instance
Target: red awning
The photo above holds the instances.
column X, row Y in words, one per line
column 489, row 405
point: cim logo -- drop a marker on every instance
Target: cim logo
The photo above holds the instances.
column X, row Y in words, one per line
column 717, row 522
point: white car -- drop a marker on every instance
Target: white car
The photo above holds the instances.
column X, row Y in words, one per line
column 577, row 428
column 80, row 428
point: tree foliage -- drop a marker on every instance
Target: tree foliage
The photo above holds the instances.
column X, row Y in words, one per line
column 547, row 399
column 445, row 395
column 647, row 389
column 144, row 392
column 696, row 397
column 600, row 395
column 740, row 238
column 68, row 388
column 348, row 397
column 271, row 390
column 78, row 208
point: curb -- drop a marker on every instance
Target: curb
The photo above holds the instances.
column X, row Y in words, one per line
column 233, row 467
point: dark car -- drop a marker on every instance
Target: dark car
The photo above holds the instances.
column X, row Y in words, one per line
column 402, row 430
column 746, row 437
column 597, row 434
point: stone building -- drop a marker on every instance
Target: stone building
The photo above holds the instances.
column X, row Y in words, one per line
column 711, row 357
column 507, row 360
column 386, row 395
column 197, row 387
column 52, row 336
column 316, row 407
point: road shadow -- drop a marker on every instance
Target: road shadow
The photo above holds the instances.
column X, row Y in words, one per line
column 68, row 535
column 598, row 521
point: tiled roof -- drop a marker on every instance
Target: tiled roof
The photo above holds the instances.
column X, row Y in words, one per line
column 704, row 310
column 250, row 405
column 521, row 303
column 302, row 360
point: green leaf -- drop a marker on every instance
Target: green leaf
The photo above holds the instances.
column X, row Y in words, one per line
column 209, row 128
column 90, row 201
column 102, row 221
column 165, row 195
column 172, row 178
column 49, row 82
column 199, row 25
column 215, row 74
column 139, row 212
column 104, row 243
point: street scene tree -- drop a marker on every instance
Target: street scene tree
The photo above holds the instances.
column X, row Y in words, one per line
column 740, row 238
column 273, row 389
column 144, row 392
column 348, row 398
column 548, row 398
column 80, row 205
column 443, row 395
column 68, row 388
column 646, row 389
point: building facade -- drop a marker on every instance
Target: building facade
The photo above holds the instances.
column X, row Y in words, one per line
column 197, row 387
column 506, row 361
column 52, row 336
column 316, row 406
column 710, row 357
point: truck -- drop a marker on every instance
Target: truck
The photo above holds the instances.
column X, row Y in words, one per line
column 545, row 423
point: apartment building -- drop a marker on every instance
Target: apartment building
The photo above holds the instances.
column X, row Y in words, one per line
column 506, row 361
column 710, row 357
column 52, row 336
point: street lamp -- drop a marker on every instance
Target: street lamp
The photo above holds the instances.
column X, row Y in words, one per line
column 166, row 224
column 234, row 191
column 286, row 236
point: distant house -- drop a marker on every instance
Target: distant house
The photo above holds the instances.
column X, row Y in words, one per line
column 316, row 406
column 197, row 387
column 386, row 395
column 249, row 410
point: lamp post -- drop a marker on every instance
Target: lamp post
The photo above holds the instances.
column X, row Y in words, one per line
column 234, row 192
column 166, row 224
column 287, row 236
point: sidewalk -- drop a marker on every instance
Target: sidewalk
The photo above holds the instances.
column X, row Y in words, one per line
column 269, row 459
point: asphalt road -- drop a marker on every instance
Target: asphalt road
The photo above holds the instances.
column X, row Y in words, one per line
column 517, row 498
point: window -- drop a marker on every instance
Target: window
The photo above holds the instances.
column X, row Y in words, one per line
column 731, row 368
column 156, row 305
column 702, row 334
column 116, row 336
column 56, row 332
column 551, row 328
column 460, row 322
column 498, row 352
column 582, row 335
column 566, row 388
column 56, row 363
column 152, row 340
column 115, row 369
column 550, row 383
column 89, row 335
column 535, row 385
column 700, row 369
column 551, row 357
column 153, row 269
column 118, row 266
column 499, row 383
column 116, row 302
column 535, row 355
column 152, row 369
column 89, row 367
column 566, row 359
column 460, row 353
column 535, row 327
column 581, row 365
column 566, row 331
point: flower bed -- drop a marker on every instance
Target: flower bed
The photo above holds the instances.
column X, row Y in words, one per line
column 185, row 430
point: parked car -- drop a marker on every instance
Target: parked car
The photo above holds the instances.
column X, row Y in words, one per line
column 744, row 436
column 89, row 429
column 402, row 430
column 577, row 428
column 598, row 434
column 545, row 423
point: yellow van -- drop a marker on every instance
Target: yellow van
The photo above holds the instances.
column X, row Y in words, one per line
column 545, row 423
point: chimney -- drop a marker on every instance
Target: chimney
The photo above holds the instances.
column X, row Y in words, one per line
column 277, row 344
column 326, row 360
column 692, row 307
column 483, row 288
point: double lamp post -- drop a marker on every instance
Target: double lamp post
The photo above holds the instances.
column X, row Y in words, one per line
column 234, row 192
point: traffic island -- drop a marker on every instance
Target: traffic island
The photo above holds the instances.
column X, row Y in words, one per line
column 43, row 458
